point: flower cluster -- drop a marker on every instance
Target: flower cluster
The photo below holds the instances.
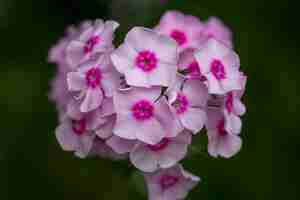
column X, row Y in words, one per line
column 146, row 99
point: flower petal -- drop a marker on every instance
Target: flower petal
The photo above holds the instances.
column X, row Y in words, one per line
column 193, row 119
column 76, row 81
column 92, row 100
column 143, row 159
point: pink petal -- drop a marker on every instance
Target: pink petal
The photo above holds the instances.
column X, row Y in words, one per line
column 238, row 107
column 106, row 130
column 230, row 146
column 74, row 53
column 214, row 87
column 76, row 81
column 163, row 75
column 143, row 159
column 109, row 29
column 109, row 83
column 123, row 58
column 126, row 127
column 152, row 133
column 175, row 151
column 86, row 34
column 193, row 119
column 73, row 110
column 66, row 138
column 231, row 83
column 85, row 145
column 120, row 145
column 196, row 92
column 213, row 143
column 92, row 100
column 136, row 77
column 164, row 115
column 233, row 124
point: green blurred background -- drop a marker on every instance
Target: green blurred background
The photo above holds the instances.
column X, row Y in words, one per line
column 33, row 166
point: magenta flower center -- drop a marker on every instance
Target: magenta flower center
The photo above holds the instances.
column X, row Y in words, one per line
column 93, row 77
column 218, row 69
column 90, row 44
column 229, row 102
column 193, row 69
column 179, row 36
column 142, row 110
column 79, row 126
column 146, row 61
column 168, row 181
column 181, row 103
column 159, row 146
column 221, row 128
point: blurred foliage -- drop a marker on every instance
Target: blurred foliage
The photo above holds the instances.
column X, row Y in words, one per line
column 32, row 165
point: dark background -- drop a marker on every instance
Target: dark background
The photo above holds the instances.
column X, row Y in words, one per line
column 33, row 166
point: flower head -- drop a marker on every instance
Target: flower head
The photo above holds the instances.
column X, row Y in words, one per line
column 146, row 58
column 170, row 184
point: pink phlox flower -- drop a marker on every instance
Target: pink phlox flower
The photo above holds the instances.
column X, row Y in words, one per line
column 94, row 80
column 146, row 58
column 220, row 66
column 93, row 39
column 188, row 99
column 165, row 154
column 215, row 28
column 221, row 142
column 170, row 184
column 188, row 65
column 184, row 29
column 142, row 114
column 75, row 135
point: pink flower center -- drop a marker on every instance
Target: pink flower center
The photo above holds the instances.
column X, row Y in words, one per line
column 93, row 77
column 168, row 181
column 229, row 102
column 146, row 61
column 90, row 44
column 221, row 128
column 143, row 110
column 179, row 36
column 159, row 146
column 79, row 126
column 194, row 69
column 218, row 69
column 181, row 103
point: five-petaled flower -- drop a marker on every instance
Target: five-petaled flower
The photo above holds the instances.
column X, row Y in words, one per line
column 170, row 184
column 219, row 64
column 146, row 58
column 162, row 155
column 94, row 38
column 144, row 115
column 94, row 80
column 184, row 29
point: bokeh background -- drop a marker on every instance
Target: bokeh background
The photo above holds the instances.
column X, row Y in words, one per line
column 33, row 166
